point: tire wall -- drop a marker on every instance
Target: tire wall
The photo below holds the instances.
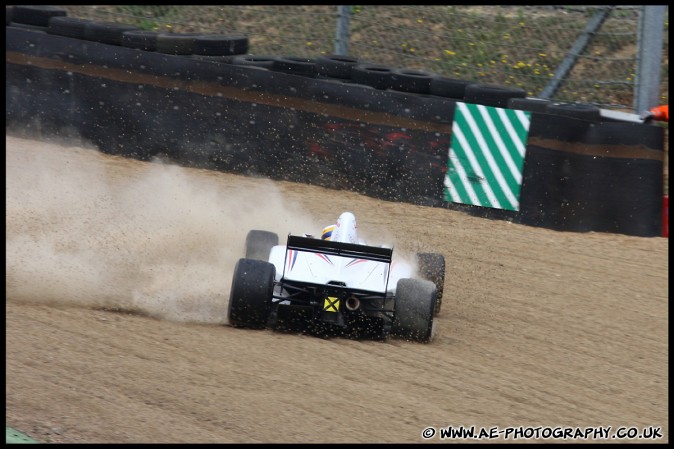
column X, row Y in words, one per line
column 578, row 175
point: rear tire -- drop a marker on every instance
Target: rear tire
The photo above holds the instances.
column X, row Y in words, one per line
column 414, row 306
column 250, row 298
column 259, row 244
column 431, row 266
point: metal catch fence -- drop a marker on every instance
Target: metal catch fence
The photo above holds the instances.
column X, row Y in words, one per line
column 588, row 54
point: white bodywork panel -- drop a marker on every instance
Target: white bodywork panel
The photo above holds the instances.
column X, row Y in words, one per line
column 319, row 268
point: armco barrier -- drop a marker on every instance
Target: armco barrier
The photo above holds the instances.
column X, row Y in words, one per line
column 578, row 175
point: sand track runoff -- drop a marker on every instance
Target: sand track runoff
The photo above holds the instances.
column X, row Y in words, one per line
column 117, row 281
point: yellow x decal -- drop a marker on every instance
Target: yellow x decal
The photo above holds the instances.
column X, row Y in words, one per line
column 331, row 304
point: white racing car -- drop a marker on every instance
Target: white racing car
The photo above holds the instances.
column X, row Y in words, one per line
column 336, row 286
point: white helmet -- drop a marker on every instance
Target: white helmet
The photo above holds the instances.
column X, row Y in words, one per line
column 345, row 229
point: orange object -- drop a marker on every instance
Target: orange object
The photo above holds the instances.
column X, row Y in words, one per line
column 660, row 113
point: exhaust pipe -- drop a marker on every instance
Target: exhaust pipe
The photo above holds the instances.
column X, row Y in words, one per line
column 352, row 303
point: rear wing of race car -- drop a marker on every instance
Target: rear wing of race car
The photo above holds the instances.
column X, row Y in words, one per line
column 313, row 245
column 351, row 250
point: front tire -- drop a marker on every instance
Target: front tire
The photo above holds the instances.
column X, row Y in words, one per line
column 259, row 244
column 431, row 266
column 414, row 306
column 250, row 298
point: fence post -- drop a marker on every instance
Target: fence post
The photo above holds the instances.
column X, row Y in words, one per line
column 571, row 58
column 649, row 57
column 342, row 34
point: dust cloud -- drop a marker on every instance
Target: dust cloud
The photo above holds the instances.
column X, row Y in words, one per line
column 88, row 229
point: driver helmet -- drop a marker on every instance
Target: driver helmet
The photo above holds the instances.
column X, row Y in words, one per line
column 327, row 232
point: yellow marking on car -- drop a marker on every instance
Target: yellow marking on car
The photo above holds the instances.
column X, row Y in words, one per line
column 331, row 304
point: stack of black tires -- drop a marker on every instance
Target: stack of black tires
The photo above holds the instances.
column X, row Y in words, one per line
column 233, row 49
column 54, row 20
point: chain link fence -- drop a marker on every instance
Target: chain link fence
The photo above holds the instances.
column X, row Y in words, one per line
column 518, row 46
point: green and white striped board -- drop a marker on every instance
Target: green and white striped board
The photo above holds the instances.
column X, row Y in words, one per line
column 16, row 437
column 486, row 156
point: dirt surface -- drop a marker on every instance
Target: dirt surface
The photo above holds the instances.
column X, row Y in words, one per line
column 117, row 282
